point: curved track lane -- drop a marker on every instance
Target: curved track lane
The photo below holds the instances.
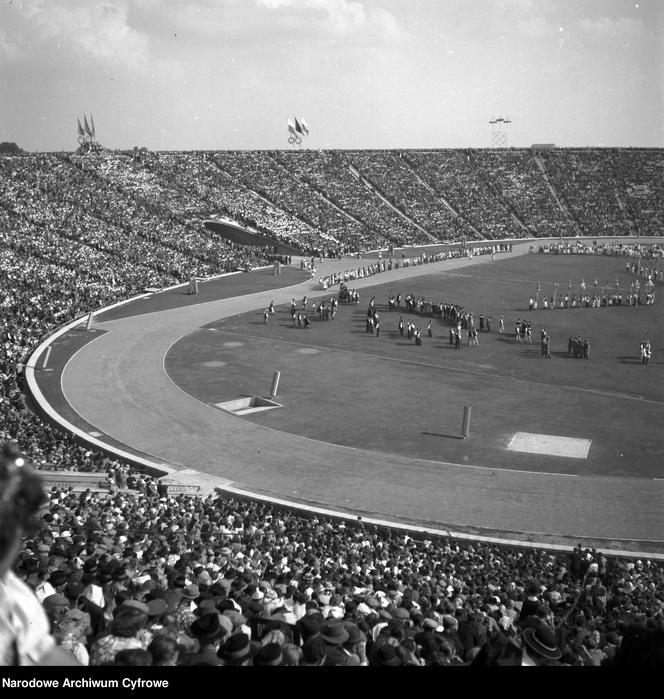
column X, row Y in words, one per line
column 118, row 383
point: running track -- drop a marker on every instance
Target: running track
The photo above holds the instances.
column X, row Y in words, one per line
column 117, row 383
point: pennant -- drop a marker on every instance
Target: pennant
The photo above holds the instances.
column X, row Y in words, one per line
column 80, row 128
column 87, row 126
column 305, row 126
column 298, row 128
column 291, row 128
column 92, row 125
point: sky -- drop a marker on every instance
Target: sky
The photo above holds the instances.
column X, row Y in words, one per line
column 227, row 74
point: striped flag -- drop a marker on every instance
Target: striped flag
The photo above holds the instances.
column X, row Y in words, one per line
column 305, row 126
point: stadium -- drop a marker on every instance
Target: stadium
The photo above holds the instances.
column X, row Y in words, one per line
column 336, row 406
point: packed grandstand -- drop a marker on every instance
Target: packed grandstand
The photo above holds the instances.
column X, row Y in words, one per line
column 128, row 576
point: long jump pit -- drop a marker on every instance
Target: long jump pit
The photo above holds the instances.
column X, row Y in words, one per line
column 550, row 445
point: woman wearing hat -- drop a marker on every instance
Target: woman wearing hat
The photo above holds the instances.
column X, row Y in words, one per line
column 71, row 634
column 127, row 631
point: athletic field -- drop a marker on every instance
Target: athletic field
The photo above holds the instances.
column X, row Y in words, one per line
column 559, row 449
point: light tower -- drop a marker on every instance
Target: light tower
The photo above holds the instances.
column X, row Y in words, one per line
column 499, row 127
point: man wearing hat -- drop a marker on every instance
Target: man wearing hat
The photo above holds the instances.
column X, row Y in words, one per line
column 238, row 650
column 335, row 635
column 209, row 631
column 540, row 646
column 269, row 655
column 309, row 626
column 356, row 643
column 385, row 656
column 58, row 579
column 184, row 612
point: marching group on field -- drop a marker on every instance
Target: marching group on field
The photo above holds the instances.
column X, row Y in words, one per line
column 462, row 321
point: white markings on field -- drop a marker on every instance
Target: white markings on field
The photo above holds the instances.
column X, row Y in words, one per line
column 48, row 354
column 233, row 344
column 213, row 364
column 307, row 350
column 94, row 433
column 549, row 444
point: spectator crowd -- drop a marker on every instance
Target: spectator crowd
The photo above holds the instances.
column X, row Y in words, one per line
column 129, row 576
column 135, row 578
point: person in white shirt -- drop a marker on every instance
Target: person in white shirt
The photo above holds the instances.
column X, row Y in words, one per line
column 25, row 638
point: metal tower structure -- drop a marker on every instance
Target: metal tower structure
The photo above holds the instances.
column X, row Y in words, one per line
column 499, row 127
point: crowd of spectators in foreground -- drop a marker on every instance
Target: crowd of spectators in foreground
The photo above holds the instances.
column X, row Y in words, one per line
column 131, row 578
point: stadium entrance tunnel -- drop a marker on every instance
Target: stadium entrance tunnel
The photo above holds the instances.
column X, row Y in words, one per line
column 248, row 405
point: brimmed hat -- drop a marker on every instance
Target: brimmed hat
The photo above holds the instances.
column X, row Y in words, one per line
column 310, row 624
column 542, row 640
column 57, row 578
column 334, row 633
column 55, row 600
column 269, row 655
column 401, row 613
column 237, row 649
column 386, row 656
column 208, row 628
column 314, row 651
column 135, row 604
column 90, row 565
column 191, row 592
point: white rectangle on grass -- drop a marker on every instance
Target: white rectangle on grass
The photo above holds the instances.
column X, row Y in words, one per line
column 550, row 444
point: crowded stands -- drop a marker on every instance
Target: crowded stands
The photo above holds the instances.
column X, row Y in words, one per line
column 217, row 581
column 128, row 575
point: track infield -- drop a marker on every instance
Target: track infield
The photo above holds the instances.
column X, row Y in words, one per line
column 342, row 385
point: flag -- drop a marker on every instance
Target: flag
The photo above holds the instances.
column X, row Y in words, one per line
column 92, row 124
column 305, row 126
column 80, row 128
column 298, row 128
column 291, row 128
column 87, row 126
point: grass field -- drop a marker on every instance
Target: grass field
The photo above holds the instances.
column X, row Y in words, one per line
column 384, row 394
